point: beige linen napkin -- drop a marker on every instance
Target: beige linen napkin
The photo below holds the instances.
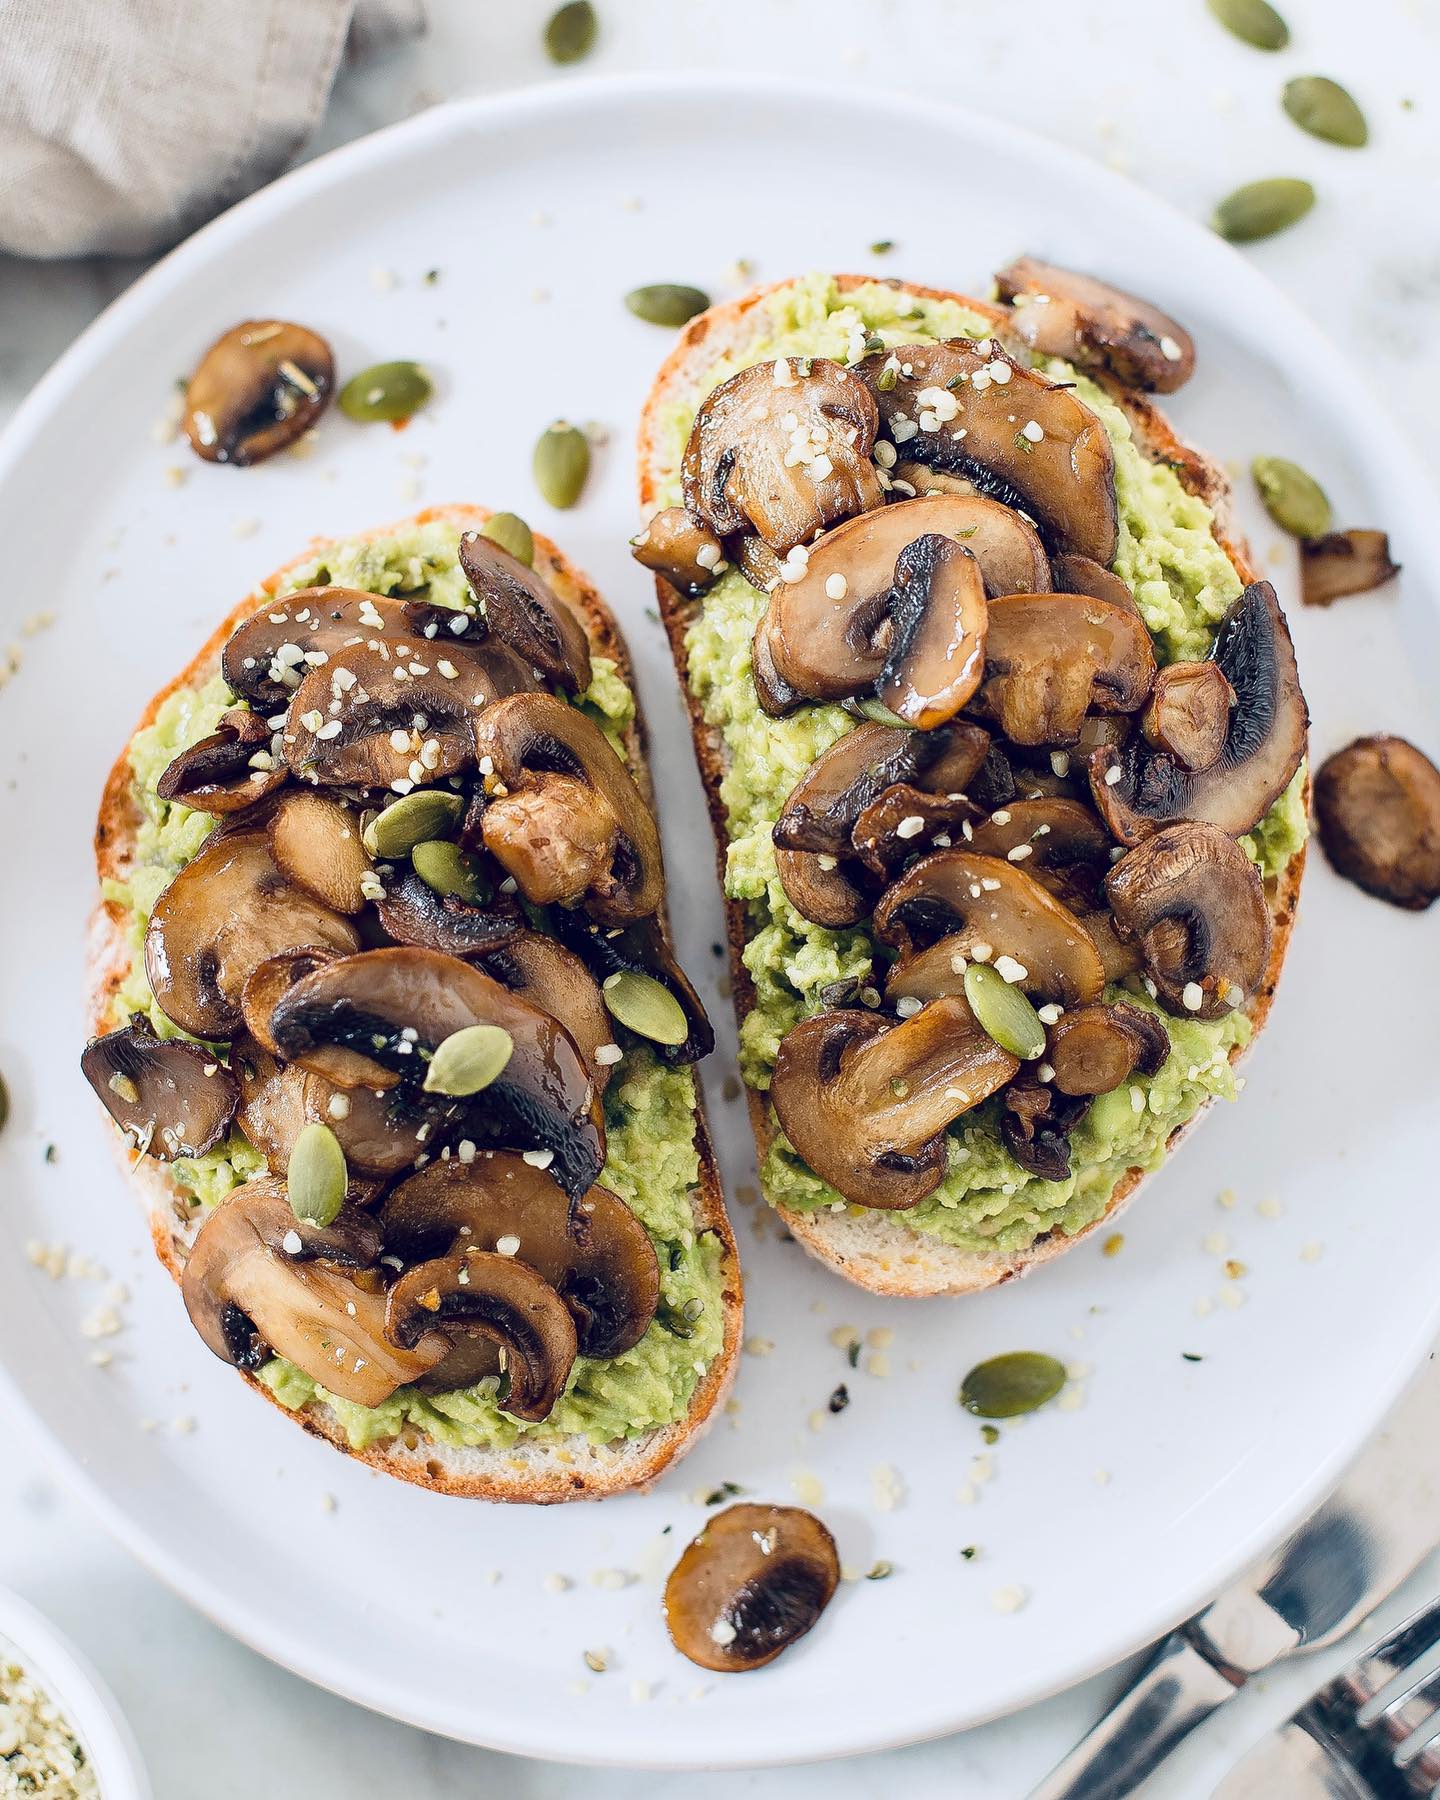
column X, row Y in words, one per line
column 125, row 123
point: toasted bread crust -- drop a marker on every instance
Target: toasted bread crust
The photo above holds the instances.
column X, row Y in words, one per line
column 877, row 1251
column 535, row 1472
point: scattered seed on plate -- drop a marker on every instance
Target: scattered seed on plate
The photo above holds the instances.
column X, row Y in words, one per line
column 561, row 463
column 1294, row 499
column 1254, row 22
column 1262, row 208
column 667, row 303
column 570, row 32
column 1326, row 110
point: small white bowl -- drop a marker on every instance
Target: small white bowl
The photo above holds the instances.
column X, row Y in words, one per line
column 59, row 1668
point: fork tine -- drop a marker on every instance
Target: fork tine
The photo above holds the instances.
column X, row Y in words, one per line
column 1364, row 1678
column 1382, row 1705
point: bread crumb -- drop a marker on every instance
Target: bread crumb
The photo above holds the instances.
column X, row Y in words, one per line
column 1009, row 1599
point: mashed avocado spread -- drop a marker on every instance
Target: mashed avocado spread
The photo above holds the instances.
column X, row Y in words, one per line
column 1182, row 581
column 649, row 1107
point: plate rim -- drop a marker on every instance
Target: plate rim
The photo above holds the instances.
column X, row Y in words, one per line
column 1380, row 442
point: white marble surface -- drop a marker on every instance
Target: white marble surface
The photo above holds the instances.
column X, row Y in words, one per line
column 1154, row 88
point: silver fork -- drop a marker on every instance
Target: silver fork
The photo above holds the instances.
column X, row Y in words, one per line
column 1373, row 1730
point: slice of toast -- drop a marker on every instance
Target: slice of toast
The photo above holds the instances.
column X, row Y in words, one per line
column 530, row 1470
column 876, row 1249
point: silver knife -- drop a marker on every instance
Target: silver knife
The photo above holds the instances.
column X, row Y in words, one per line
column 1355, row 1551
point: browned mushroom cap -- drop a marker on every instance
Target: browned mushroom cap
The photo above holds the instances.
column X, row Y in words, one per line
column 756, row 561
column 258, row 388
column 267, row 655
column 644, row 948
column 227, row 911
column 1035, row 1126
column 377, row 1018
column 685, row 553
column 565, row 817
column 824, row 889
column 776, row 696
column 1082, row 575
column 905, row 822
column 557, row 981
column 251, row 1297
column 865, row 1102
column 1043, row 834
column 1004, row 543
column 824, row 805
column 989, row 904
column 315, row 840
column 521, row 611
column 412, row 912
column 170, row 1098
column 885, row 606
column 1059, row 312
column 232, row 769
column 1188, row 713
column 1342, row 563
column 1193, row 901
column 1377, row 803
column 968, row 407
column 908, row 479
column 784, row 449
column 268, row 980
column 753, row 1581
column 1051, row 658
column 272, row 1100
column 1138, row 789
column 597, row 1256
column 499, row 1299
column 1095, row 1048
column 382, row 719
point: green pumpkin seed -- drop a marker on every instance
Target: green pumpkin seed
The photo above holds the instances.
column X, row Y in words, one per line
column 570, row 34
column 1262, row 208
column 511, row 533
column 667, row 303
column 389, row 390
column 646, row 1006
column 1254, row 22
column 880, row 714
column 469, row 1060
column 1294, row 500
column 1004, row 1012
column 412, row 820
column 1326, row 110
column 444, row 867
column 316, row 1177
column 1006, row 1386
column 561, row 463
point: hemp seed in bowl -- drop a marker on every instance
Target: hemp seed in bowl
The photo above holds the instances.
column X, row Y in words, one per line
column 41, row 1755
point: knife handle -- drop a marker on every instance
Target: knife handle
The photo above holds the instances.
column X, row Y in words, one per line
column 1175, row 1691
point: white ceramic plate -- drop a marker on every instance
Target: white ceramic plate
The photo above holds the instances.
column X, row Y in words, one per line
column 539, row 211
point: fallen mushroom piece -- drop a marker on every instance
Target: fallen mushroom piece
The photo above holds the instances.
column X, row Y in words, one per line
column 521, row 611
column 967, row 407
column 784, row 449
column 1059, row 312
column 170, row 1098
column 226, row 912
column 564, row 816
column 1193, row 901
column 377, row 1018
column 865, row 1101
column 1082, row 575
column 315, row 840
column 1095, row 1048
column 686, row 554
column 258, row 388
column 1342, row 563
column 395, row 719
column 232, row 769
column 1377, row 803
column 1035, row 1127
column 822, row 808
column 969, row 902
column 644, row 948
column 500, row 1299
column 1188, row 713
column 250, row 1298
column 597, row 1256
column 557, row 981
column 751, row 1583
column 1052, row 658
column 413, row 913
column 1138, row 789
column 887, row 606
